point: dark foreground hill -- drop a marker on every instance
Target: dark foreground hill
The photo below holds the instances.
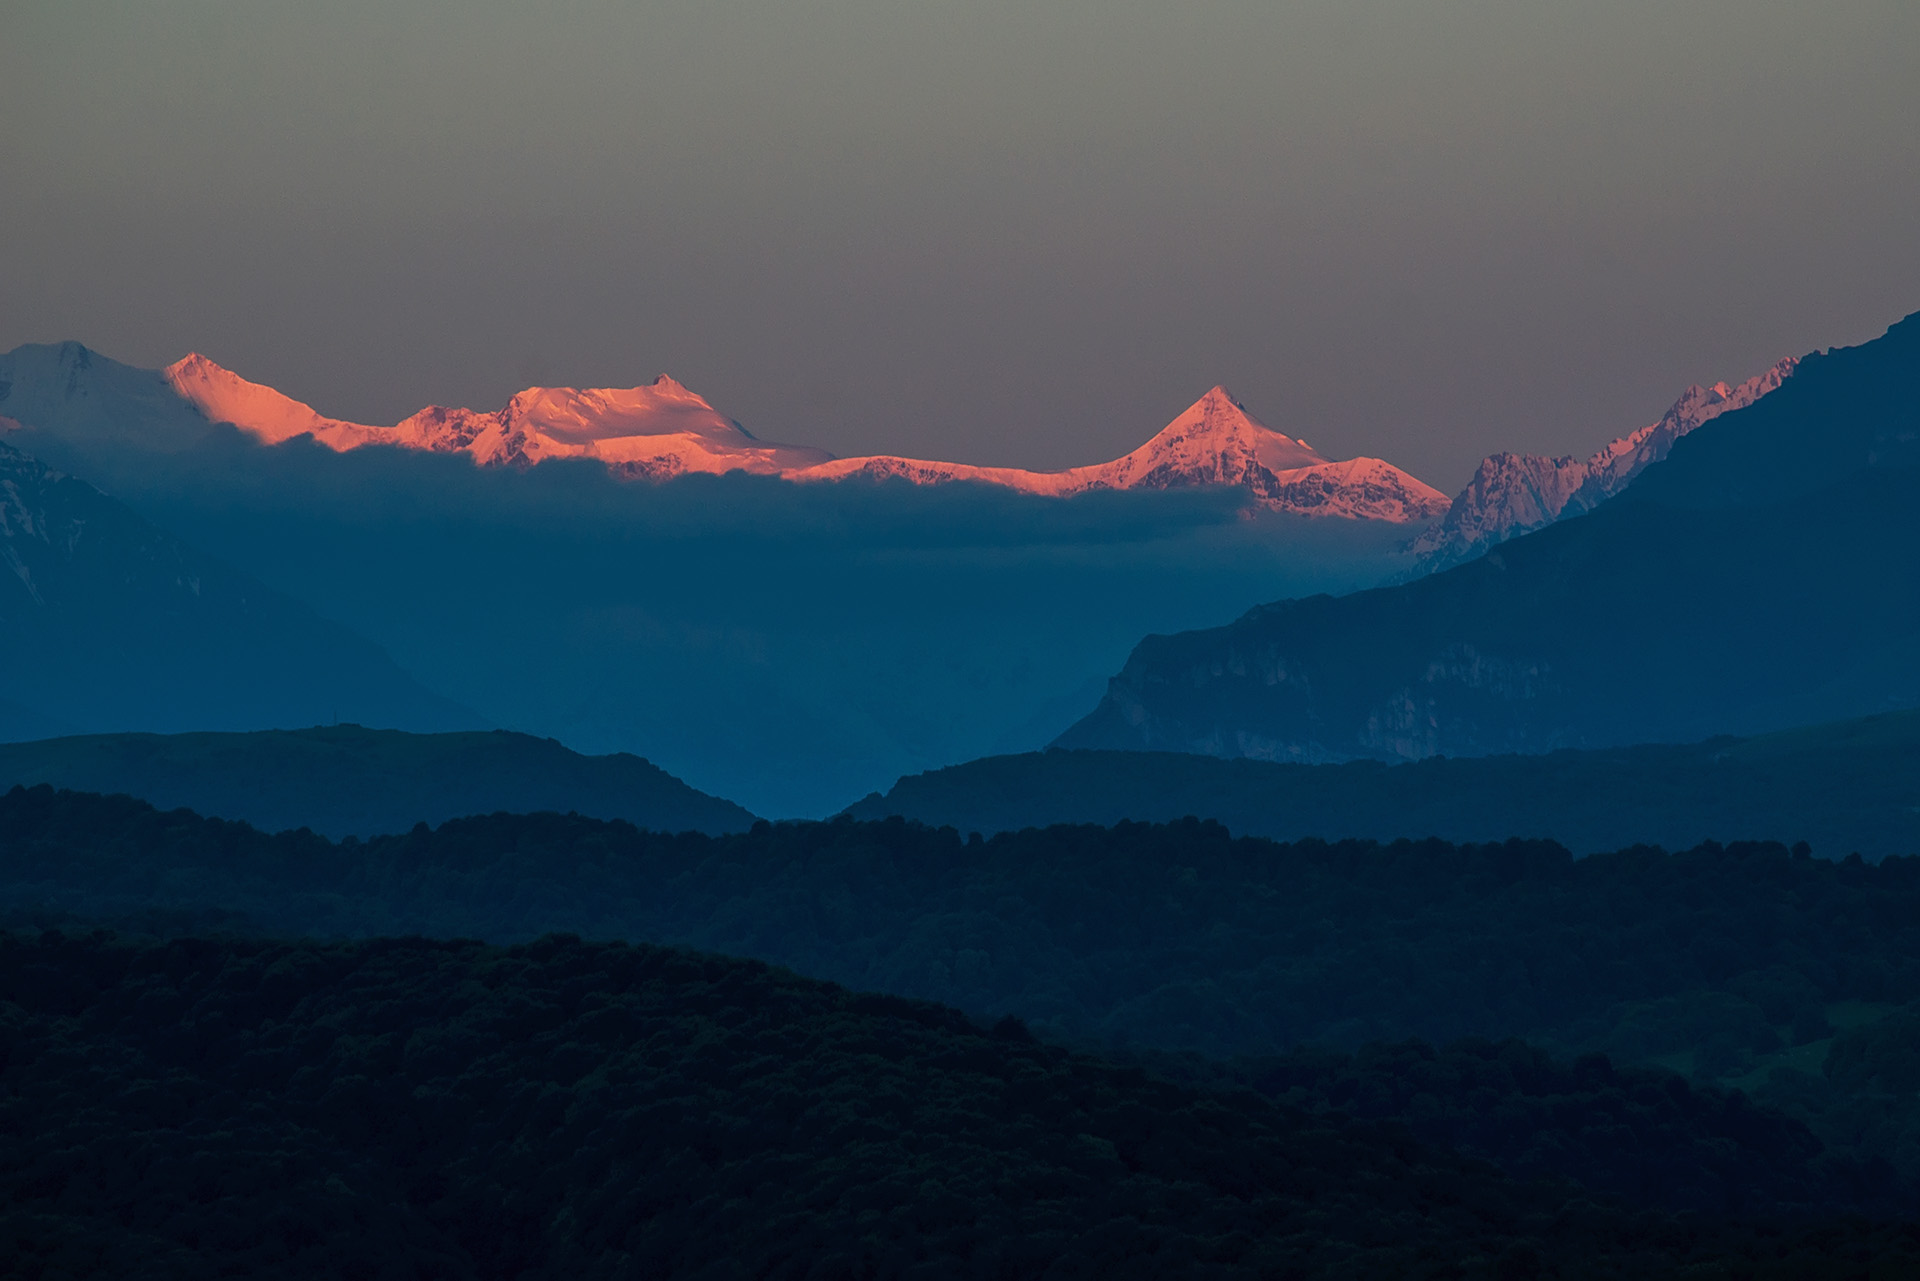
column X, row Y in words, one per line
column 1844, row 788
column 1787, row 976
column 343, row 780
column 1764, row 575
column 447, row 1110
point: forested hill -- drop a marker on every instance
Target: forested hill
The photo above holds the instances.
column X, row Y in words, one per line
column 1852, row 786
column 1745, row 965
column 345, row 780
column 1175, row 935
column 451, row 1110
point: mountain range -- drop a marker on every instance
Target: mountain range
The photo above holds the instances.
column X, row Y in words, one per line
column 1764, row 574
column 755, row 630
column 786, row 644
column 662, row 430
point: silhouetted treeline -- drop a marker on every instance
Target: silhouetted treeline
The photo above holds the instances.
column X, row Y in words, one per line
column 1745, row 965
column 447, row 1109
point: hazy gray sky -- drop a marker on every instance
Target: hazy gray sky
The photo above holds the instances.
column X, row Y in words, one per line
column 1012, row 233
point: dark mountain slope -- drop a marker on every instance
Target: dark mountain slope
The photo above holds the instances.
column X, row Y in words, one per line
column 347, row 780
column 1848, row 787
column 107, row 622
column 1766, row 574
column 406, row 1108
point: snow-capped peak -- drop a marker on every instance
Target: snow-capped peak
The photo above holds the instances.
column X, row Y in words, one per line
column 1215, row 441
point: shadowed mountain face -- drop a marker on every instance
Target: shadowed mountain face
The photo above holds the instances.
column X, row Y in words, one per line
column 345, row 779
column 1764, row 575
column 107, row 622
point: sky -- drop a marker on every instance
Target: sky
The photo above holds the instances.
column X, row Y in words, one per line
column 1021, row 234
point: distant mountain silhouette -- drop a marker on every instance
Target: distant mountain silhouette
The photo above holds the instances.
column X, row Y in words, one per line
column 1765, row 574
column 344, row 780
column 1848, row 787
column 107, row 622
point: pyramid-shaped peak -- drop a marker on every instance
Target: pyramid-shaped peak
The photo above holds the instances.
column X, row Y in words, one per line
column 1215, row 409
column 1219, row 414
column 1214, row 440
column 1218, row 411
column 195, row 365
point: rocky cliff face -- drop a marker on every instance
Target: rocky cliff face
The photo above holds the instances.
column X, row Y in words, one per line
column 1764, row 574
column 1511, row 493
